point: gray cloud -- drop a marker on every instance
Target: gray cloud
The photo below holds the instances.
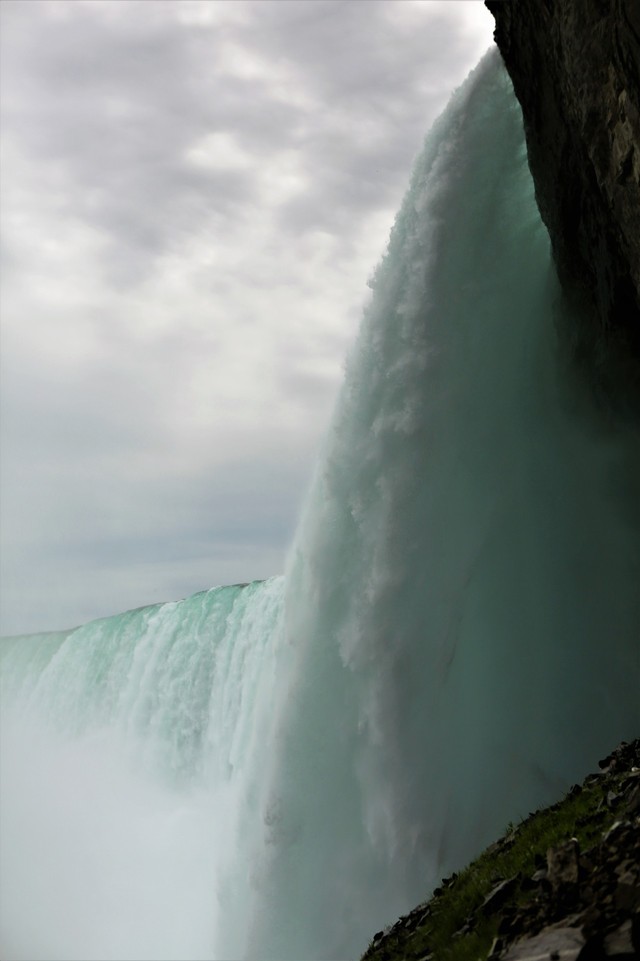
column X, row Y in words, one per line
column 193, row 196
column 113, row 103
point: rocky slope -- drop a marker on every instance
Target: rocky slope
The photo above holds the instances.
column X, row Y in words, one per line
column 575, row 67
column 563, row 884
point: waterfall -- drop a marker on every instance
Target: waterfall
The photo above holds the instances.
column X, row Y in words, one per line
column 278, row 770
column 132, row 752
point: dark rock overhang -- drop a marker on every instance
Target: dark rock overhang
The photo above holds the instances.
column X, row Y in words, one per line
column 575, row 67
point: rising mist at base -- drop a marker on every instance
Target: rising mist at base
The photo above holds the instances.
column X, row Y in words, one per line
column 277, row 771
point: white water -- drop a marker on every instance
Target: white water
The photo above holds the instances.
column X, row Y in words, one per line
column 132, row 752
column 276, row 772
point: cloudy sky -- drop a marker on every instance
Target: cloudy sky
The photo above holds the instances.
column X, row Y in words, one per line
column 194, row 193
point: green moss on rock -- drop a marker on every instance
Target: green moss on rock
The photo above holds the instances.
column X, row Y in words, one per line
column 576, row 863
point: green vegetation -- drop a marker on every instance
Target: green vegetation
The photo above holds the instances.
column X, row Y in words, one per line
column 460, row 923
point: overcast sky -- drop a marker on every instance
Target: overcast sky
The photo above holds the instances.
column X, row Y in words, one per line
column 194, row 194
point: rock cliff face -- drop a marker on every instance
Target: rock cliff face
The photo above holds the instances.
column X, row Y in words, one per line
column 575, row 66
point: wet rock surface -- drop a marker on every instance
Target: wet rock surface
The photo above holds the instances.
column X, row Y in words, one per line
column 586, row 901
column 575, row 67
column 579, row 899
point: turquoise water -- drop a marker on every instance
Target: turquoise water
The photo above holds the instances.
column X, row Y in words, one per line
column 277, row 771
column 133, row 756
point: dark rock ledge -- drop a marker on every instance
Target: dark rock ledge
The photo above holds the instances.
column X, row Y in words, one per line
column 564, row 884
column 575, row 67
